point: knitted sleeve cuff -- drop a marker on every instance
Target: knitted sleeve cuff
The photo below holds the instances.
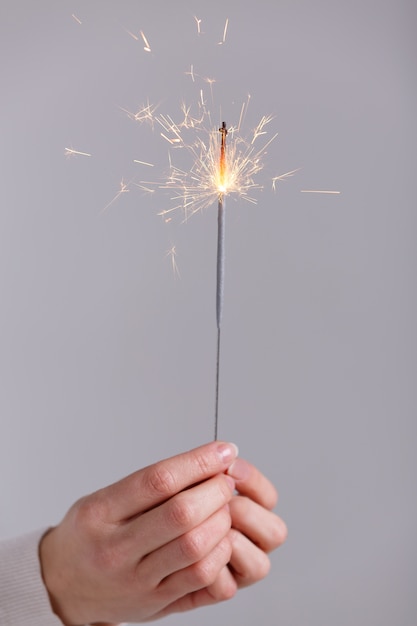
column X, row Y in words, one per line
column 24, row 599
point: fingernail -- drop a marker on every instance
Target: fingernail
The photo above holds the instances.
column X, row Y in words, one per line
column 228, row 452
column 239, row 469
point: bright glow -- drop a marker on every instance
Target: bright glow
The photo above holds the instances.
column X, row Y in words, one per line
column 209, row 171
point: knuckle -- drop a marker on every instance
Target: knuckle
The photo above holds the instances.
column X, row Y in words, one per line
column 203, row 464
column 192, row 546
column 180, row 513
column 207, row 570
column 101, row 549
column 204, row 573
column 89, row 513
column 161, row 481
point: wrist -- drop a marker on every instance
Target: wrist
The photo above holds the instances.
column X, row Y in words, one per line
column 52, row 575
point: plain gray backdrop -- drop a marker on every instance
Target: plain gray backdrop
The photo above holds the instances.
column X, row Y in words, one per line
column 107, row 359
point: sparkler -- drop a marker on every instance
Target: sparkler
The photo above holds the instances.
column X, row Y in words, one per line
column 210, row 178
column 220, row 263
column 214, row 173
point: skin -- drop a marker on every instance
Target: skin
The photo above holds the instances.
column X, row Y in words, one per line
column 182, row 533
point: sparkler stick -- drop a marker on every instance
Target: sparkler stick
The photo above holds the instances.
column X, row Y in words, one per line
column 220, row 264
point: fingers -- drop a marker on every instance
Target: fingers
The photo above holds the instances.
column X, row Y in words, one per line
column 252, row 483
column 187, row 549
column 200, row 575
column 177, row 517
column 256, row 530
column 248, row 563
column 168, row 538
column 157, row 483
column 265, row 529
column 223, row 588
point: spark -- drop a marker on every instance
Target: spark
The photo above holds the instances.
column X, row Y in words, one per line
column 144, row 114
column 143, row 163
column 191, row 73
column 265, row 119
column 243, row 111
column 198, row 186
column 198, row 22
column 143, row 185
column 224, row 32
column 329, row 191
column 76, row 18
column 72, row 152
column 189, row 121
column 172, row 254
column 146, row 47
column 135, row 37
column 211, row 82
column 124, row 188
column 283, row 177
column 171, row 141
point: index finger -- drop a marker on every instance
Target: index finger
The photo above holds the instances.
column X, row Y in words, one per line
column 252, row 483
column 156, row 483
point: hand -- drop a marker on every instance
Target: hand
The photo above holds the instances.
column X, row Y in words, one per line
column 129, row 552
column 161, row 540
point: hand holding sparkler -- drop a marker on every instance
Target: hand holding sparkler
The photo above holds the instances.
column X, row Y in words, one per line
column 168, row 538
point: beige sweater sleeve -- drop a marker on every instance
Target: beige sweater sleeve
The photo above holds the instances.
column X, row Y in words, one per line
column 23, row 597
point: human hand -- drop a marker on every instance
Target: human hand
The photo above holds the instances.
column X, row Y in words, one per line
column 161, row 540
column 138, row 549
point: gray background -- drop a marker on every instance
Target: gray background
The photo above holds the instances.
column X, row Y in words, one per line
column 107, row 359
